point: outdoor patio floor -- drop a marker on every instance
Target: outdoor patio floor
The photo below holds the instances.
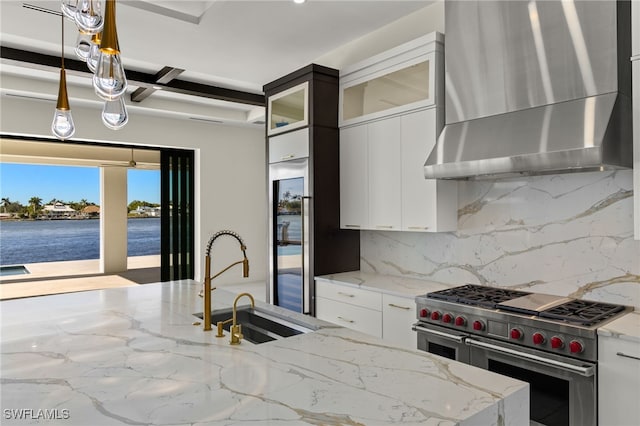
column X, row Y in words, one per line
column 78, row 275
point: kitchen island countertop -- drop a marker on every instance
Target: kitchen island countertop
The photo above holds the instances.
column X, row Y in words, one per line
column 133, row 356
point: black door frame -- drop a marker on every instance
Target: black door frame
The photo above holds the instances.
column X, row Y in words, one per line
column 176, row 232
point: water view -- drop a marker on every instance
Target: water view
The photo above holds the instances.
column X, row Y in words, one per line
column 60, row 240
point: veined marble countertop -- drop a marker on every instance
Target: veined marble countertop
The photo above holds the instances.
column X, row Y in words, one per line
column 132, row 356
column 627, row 327
column 399, row 286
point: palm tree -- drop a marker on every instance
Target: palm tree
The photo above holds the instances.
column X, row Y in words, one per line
column 5, row 202
column 35, row 204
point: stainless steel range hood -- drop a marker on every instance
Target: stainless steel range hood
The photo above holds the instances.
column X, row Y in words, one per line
column 535, row 87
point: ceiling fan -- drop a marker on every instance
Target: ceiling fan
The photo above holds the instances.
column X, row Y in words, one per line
column 131, row 164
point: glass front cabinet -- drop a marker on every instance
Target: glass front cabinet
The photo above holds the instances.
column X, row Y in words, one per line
column 399, row 80
column 289, row 110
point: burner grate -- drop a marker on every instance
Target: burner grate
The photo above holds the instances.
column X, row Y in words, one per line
column 582, row 312
column 477, row 295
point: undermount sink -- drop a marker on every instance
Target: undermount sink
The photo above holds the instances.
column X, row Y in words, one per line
column 257, row 326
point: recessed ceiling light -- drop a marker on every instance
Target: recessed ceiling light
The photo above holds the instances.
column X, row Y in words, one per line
column 299, row 1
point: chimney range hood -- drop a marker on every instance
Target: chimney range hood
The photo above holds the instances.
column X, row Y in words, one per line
column 535, row 87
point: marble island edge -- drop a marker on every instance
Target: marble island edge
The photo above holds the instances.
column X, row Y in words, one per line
column 132, row 356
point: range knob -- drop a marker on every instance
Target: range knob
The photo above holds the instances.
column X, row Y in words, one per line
column 575, row 347
column 556, row 342
column 461, row 321
column 538, row 338
column 424, row 313
column 448, row 318
column 516, row 334
column 478, row 325
column 435, row 315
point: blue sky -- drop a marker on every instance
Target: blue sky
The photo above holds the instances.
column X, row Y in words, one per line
column 20, row 182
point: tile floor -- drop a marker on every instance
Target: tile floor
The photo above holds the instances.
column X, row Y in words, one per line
column 80, row 275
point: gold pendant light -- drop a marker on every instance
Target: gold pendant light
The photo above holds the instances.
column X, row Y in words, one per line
column 62, row 125
column 109, row 80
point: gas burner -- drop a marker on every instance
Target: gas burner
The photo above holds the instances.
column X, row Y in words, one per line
column 477, row 295
column 582, row 312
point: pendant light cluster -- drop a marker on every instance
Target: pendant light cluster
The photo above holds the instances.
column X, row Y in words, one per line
column 97, row 44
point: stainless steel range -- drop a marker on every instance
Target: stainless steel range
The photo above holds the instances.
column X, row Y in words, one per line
column 548, row 341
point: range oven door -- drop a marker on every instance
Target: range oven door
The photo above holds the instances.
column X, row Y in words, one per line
column 441, row 341
column 563, row 390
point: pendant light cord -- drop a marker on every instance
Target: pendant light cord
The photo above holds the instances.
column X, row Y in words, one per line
column 62, row 53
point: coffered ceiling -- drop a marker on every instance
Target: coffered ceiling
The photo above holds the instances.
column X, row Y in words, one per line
column 232, row 44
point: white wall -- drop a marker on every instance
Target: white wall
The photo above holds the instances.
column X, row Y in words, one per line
column 407, row 28
column 230, row 164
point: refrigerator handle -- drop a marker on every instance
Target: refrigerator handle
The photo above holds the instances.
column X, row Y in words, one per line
column 305, row 283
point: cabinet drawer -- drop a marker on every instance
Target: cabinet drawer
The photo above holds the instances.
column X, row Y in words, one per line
column 353, row 296
column 289, row 146
column 618, row 375
column 354, row 317
column 398, row 315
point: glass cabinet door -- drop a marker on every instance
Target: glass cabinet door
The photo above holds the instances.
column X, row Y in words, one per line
column 288, row 239
column 389, row 91
column 289, row 109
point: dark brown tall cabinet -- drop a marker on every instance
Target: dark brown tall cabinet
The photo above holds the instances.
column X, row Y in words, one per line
column 305, row 238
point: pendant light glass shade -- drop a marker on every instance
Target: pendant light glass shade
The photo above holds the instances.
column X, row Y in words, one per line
column 109, row 80
column 94, row 53
column 62, row 125
column 89, row 16
column 83, row 45
column 114, row 114
column 69, row 8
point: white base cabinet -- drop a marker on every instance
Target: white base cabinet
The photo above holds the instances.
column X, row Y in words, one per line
column 618, row 382
column 398, row 315
column 349, row 307
column 378, row 314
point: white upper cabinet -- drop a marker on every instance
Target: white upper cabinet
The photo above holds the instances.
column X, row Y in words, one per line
column 420, row 211
column 395, row 81
column 390, row 117
column 385, row 175
column 354, row 191
column 289, row 146
column 289, row 109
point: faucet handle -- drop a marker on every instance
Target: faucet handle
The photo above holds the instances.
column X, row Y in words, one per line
column 201, row 294
column 220, row 329
column 236, row 334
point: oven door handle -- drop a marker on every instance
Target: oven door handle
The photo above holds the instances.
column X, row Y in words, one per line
column 583, row 371
column 459, row 339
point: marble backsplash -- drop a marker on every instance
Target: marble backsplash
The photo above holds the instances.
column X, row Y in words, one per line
column 568, row 234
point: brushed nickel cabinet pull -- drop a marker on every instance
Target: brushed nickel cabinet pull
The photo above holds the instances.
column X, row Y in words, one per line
column 287, row 157
column 347, row 320
column 352, row 226
column 393, row 305
column 384, row 226
column 418, row 227
column 627, row 356
column 346, row 294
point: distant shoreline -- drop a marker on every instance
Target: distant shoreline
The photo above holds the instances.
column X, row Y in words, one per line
column 12, row 219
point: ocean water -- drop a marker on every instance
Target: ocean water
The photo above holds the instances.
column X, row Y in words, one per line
column 59, row 240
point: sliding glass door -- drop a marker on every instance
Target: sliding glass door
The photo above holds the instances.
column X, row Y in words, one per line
column 177, row 213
